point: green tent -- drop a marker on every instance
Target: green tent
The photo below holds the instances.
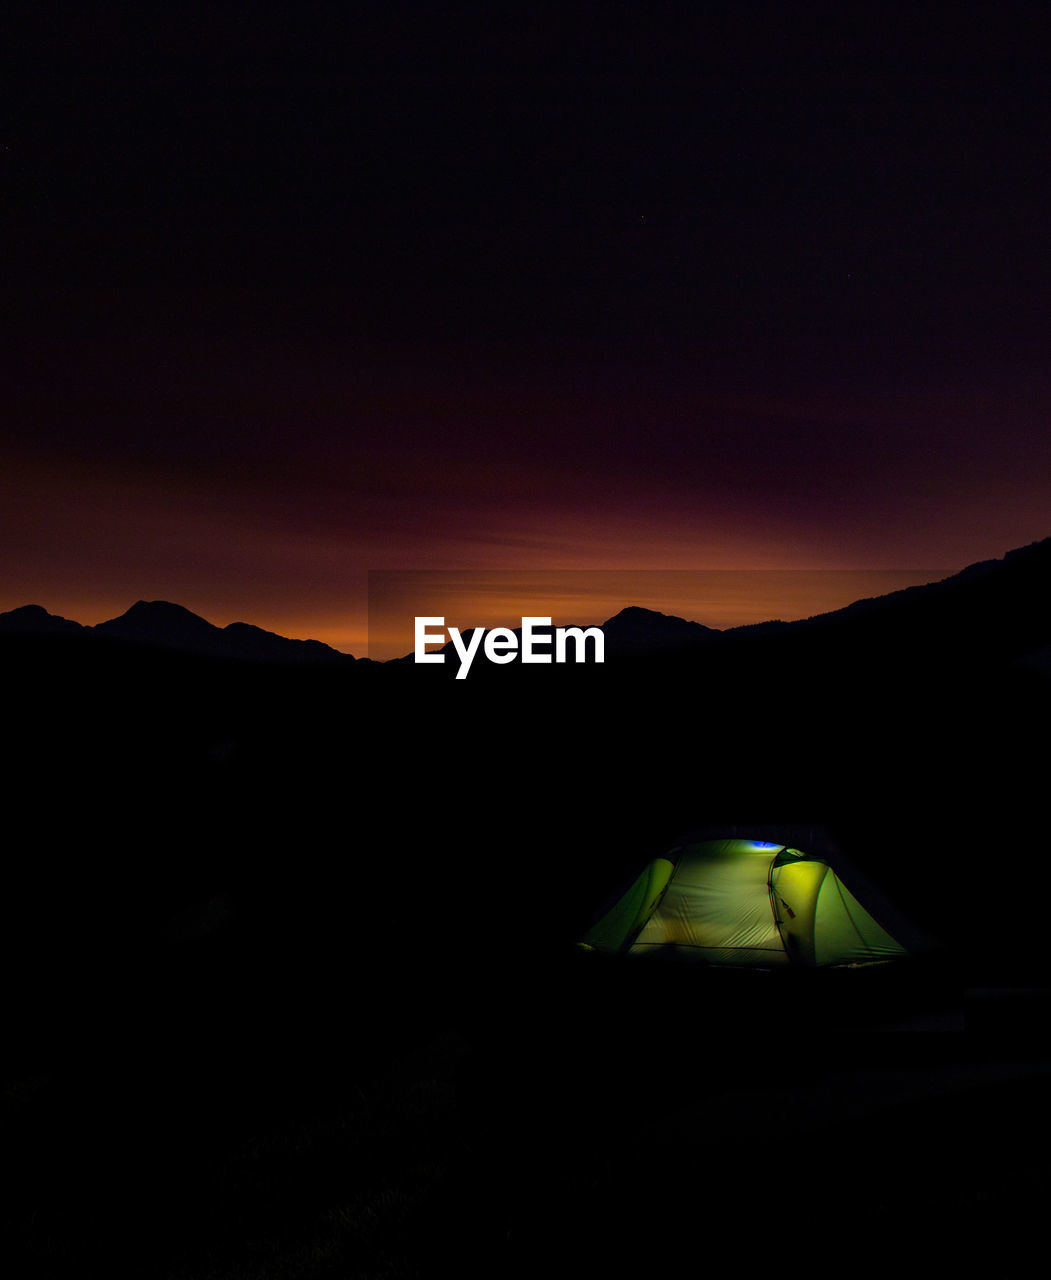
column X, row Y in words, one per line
column 744, row 902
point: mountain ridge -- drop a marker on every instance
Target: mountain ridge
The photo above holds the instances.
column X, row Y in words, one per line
column 632, row 632
column 162, row 624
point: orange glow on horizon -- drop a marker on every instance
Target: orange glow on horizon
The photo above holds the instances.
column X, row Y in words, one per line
column 718, row 598
column 87, row 544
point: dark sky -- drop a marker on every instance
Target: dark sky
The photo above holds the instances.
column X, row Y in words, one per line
column 299, row 291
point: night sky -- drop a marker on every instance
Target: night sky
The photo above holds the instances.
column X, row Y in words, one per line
column 295, row 292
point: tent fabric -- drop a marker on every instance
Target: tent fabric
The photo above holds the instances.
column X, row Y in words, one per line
column 718, row 900
column 744, row 902
column 633, row 908
column 844, row 931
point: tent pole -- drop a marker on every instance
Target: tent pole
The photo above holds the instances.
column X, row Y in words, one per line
column 773, row 904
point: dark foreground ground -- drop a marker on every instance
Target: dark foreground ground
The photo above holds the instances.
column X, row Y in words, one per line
column 600, row 1116
column 290, row 984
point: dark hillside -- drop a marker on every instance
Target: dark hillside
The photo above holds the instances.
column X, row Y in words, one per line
column 249, row 902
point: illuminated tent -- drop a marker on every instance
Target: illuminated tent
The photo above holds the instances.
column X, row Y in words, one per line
column 748, row 902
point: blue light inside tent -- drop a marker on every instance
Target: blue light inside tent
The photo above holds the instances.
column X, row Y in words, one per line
column 759, row 846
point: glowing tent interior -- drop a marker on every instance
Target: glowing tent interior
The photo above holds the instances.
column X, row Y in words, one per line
column 745, row 902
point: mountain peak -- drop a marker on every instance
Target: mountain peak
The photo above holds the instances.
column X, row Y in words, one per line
column 635, row 613
column 34, row 619
column 632, row 611
column 635, row 629
column 160, row 622
column 161, row 609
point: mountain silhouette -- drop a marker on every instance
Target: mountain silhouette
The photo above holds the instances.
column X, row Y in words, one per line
column 248, row 641
column 993, row 608
column 635, row 630
column 34, row 620
column 159, row 624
